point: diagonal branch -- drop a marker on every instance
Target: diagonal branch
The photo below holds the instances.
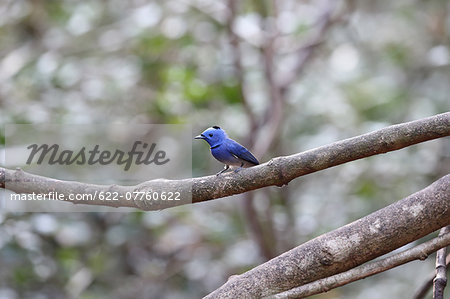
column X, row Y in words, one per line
column 277, row 172
column 419, row 252
column 347, row 247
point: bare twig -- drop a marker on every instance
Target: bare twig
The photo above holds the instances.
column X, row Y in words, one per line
column 266, row 133
column 268, row 129
column 237, row 61
column 428, row 284
column 274, row 114
column 419, row 252
column 306, row 52
column 251, row 216
column 348, row 246
column 277, row 172
column 259, row 233
column 440, row 281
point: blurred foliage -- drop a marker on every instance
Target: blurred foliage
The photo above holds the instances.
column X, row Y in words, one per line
column 140, row 61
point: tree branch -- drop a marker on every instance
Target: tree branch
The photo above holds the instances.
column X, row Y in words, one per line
column 306, row 53
column 237, row 62
column 428, row 284
column 347, row 247
column 251, row 216
column 419, row 252
column 277, row 172
column 440, row 281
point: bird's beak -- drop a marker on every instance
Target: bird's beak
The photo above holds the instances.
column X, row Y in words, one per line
column 199, row 137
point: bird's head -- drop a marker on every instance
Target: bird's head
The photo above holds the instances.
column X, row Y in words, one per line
column 214, row 136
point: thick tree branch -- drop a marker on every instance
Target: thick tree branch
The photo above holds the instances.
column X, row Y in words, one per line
column 419, row 252
column 277, row 172
column 347, row 247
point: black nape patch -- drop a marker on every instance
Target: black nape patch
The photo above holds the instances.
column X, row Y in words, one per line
column 216, row 127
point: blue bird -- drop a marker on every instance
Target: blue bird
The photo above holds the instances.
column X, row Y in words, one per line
column 227, row 150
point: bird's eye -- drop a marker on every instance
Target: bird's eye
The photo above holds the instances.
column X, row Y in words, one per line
column 210, row 135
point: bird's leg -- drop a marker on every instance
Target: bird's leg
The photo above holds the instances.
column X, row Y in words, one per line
column 239, row 168
column 223, row 170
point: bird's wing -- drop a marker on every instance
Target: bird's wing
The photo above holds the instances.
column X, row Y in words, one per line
column 241, row 152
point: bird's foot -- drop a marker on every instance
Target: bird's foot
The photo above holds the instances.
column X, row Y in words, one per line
column 237, row 169
column 223, row 170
